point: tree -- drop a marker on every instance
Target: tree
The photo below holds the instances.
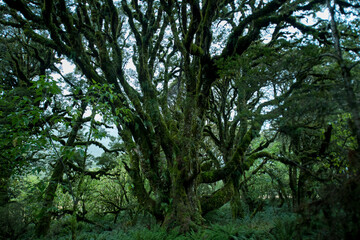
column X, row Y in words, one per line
column 175, row 48
column 248, row 94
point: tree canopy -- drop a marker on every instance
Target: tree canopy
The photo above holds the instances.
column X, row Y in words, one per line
column 199, row 92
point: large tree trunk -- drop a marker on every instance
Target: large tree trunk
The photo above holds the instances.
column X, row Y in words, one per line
column 184, row 210
column 235, row 202
column 237, row 210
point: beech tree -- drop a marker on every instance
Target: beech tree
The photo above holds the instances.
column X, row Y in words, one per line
column 162, row 104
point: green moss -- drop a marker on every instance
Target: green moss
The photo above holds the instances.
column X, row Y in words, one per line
column 196, row 50
column 217, row 199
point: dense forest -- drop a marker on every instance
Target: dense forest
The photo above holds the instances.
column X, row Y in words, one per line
column 189, row 119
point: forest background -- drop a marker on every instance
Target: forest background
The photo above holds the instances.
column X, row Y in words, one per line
column 222, row 119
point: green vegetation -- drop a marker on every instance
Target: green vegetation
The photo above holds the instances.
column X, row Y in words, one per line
column 210, row 119
column 273, row 223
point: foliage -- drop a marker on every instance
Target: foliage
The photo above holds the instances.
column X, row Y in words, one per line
column 264, row 226
column 216, row 119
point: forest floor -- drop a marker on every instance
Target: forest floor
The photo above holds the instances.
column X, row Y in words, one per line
column 271, row 223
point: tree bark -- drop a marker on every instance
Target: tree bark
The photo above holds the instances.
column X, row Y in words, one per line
column 237, row 210
column 235, row 202
column 184, row 209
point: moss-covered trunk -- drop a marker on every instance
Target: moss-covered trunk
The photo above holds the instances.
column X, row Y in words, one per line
column 236, row 206
column 184, row 209
column 237, row 210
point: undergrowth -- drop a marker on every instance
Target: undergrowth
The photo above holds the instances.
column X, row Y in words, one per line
column 272, row 223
